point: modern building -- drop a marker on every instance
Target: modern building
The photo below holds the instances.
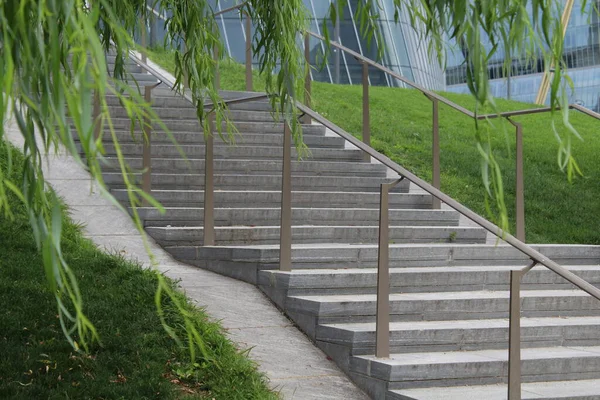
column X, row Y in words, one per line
column 404, row 52
column 581, row 53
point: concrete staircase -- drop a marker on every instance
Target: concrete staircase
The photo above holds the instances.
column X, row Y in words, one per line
column 449, row 289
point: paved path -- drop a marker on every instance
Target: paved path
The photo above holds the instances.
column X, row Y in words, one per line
column 292, row 363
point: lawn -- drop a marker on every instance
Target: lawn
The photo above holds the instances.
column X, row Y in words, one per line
column 136, row 359
column 556, row 211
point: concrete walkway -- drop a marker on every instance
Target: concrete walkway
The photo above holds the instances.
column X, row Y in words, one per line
column 291, row 362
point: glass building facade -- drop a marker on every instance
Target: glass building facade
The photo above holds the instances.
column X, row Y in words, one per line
column 404, row 52
column 581, row 54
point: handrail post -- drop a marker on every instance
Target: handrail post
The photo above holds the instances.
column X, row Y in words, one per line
column 285, row 229
column 435, row 150
column 147, row 149
column 520, row 189
column 514, row 337
column 307, row 79
column 248, row 53
column 209, row 186
column 382, row 321
column 366, row 120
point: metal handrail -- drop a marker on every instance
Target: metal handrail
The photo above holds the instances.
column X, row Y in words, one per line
column 361, row 58
column 382, row 325
column 164, row 79
column 513, row 241
column 209, row 220
column 382, row 313
column 435, row 98
column 236, row 7
column 433, row 95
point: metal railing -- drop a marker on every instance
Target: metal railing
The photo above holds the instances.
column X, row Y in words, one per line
column 209, row 219
column 435, row 100
column 383, row 282
column 382, row 345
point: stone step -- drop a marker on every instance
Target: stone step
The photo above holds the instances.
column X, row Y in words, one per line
column 163, row 97
column 129, row 67
column 236, row 152
column 137, row 75
column 272, row 199
column 267, row 182
column 300, row 216
column 252, row 105
column 137, row 81
column 443, row 336
column 182, row 236
column 402, row 255
column 252, row 167
column 564, row 390
column 194, row 126
column 327, row 309
column 241, row 138
column 189, row 113
column 418, row 279
column 414, row 370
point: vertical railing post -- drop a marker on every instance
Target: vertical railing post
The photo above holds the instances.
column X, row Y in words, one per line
column 248, row 53
column 366, row 120
column 209, row 185
column 514, row 337
column 307, row 79
column 435, row 150
column 285, row 229
column 147, row 149
column 520, row 186
column 382, row 319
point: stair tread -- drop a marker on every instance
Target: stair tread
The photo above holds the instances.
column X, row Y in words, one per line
column 158, row 191
column 465, row 228
column 475, row 356
column 416, row 210
column 466, row 324
column 438, row 296
column 530, row 391
column 409, row 270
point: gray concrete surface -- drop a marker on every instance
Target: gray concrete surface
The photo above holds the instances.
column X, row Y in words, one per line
column 291, row 362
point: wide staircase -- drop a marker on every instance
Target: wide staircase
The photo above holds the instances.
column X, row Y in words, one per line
column 449, row 301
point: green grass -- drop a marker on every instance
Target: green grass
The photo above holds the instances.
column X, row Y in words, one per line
column 556, row 211
column 136, row 358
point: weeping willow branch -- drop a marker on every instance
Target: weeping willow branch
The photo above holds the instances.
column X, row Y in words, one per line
column 52, row 64
column 528, row 29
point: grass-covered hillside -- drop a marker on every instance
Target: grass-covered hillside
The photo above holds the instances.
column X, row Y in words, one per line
column 136, row 359
column 556, row 211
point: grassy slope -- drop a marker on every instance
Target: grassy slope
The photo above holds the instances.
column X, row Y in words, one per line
column 137, row 360
column 556, row 211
